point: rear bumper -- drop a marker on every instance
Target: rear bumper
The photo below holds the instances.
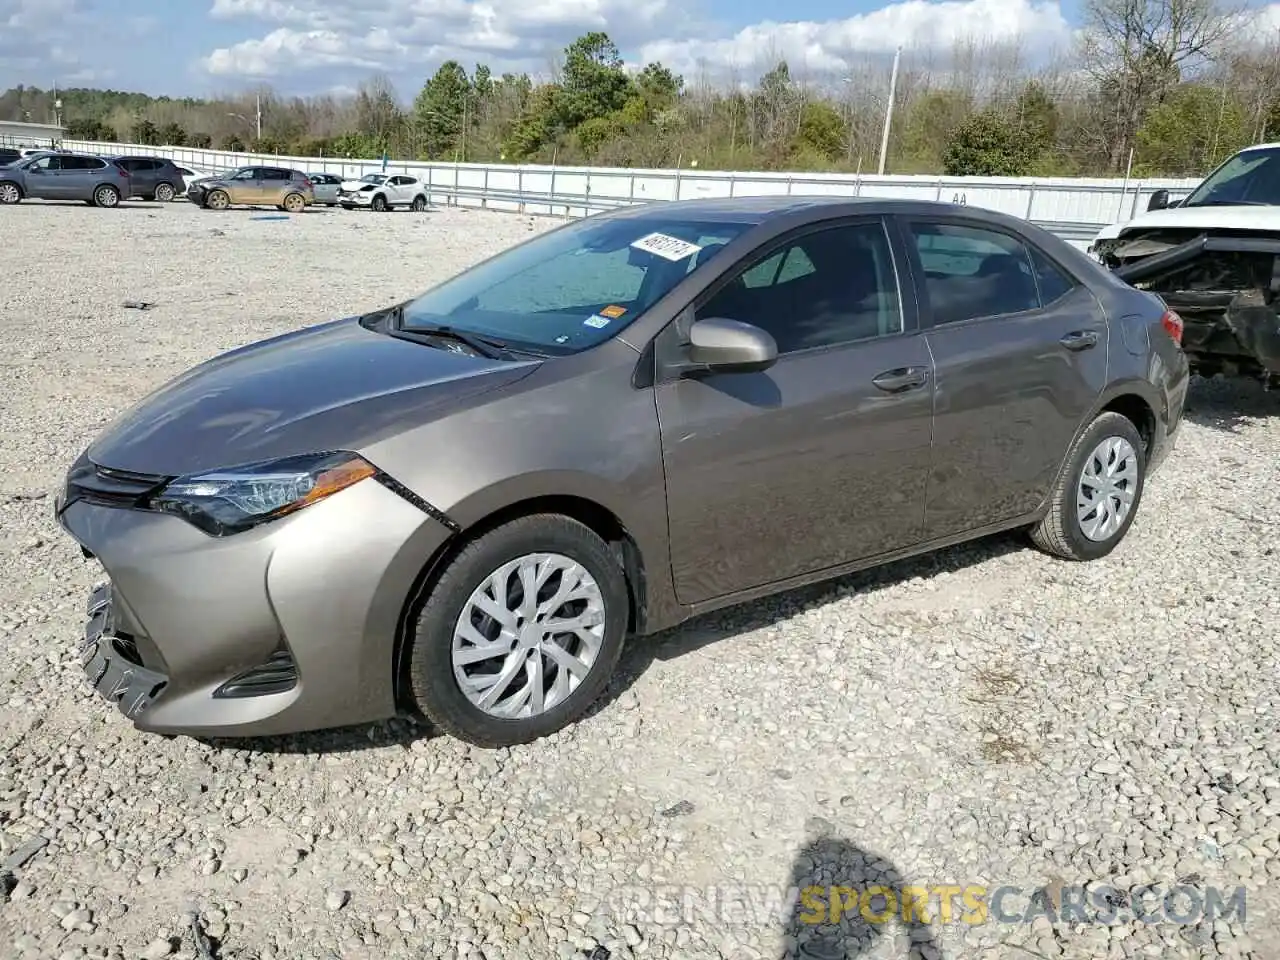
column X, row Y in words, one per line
column 283, row 629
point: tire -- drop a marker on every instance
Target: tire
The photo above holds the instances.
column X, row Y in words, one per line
column 10, row 193
column 1061, row 532
column 380, row 203
column 433, row 681
column 105, row 195
column 419, row 204
column 165, row 192
column 217, row 200
column 294, row 203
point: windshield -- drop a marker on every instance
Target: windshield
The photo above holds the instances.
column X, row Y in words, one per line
column 573, row 287
column 1251, row 177
column 373, row 178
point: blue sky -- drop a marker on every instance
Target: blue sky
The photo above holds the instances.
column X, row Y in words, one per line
column 195, row 47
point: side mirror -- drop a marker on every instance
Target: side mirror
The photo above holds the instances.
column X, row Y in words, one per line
column 1159, row 200
column 730, row 346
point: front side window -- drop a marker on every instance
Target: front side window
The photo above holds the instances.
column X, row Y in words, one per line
column 970, row 272
column 247, row 173
column 573, row 287
column 835, row 285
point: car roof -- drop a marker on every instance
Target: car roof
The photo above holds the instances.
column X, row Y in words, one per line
column 758, row 209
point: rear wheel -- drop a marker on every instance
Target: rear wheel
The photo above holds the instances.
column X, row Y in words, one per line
column 380, row 203
column 1096, row 498
column 521, row 632
column 10, row 193
column 295, row 203
column 217, row 200
column 164, row 192
column 106, row 196
column 419, row 203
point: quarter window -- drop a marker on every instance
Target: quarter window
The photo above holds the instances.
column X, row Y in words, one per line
column 832, row 286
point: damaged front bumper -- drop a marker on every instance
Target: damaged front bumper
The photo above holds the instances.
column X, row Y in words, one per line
column 1226, row 288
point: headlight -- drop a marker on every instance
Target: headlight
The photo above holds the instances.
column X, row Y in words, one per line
column 222, row 502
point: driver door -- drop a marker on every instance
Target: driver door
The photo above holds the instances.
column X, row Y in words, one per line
column 43, row 179
column 821, row 459
column 246, row 186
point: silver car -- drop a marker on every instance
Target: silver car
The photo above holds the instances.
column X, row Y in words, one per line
column 65, row 176
column 326, row 187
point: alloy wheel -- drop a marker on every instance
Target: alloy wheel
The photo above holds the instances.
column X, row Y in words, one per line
column 528, row 636
column 106, row 197
column 9, row 193
column 1107, row 487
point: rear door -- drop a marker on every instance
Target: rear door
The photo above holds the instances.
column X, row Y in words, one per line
column 1019, row 347
column 276, row 182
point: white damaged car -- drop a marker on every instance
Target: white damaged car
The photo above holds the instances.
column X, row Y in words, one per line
column 1214, row 258
column 383, row 191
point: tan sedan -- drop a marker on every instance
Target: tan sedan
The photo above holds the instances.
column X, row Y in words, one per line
column 281, row 187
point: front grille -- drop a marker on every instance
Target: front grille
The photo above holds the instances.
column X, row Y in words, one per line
column 104, row 485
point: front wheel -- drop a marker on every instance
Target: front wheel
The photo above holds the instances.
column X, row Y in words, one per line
column 1096, row 498
column 380, row 203
column 217, row 200
column 106, row 196
column 164, row 192
column 521, row 632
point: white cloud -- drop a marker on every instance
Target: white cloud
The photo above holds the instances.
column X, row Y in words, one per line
column 415, row 36
column 838, row 45
column 412, row 37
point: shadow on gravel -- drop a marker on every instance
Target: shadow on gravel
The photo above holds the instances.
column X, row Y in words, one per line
column 841, row 925
column 1228, row 404
column 693, row 635
column 400, row 732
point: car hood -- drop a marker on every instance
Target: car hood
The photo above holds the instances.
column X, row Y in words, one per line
column 1198, row 218
column 332, row 386
column 359, row 184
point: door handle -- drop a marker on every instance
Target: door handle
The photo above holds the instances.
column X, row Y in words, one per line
column 902, row 378
column 1080, row 340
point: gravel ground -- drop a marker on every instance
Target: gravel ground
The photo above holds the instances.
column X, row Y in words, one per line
column 983, row 716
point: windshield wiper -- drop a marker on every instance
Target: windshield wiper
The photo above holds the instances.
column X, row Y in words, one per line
column 485, row 346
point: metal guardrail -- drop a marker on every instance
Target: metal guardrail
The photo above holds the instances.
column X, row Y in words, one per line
column 568, row 204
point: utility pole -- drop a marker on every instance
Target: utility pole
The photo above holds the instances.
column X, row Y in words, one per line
column 259, row 115
column 888, row 109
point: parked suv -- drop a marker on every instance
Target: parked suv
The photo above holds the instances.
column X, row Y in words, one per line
column 65, row 176
column 255, row 186
column 9, row 155
column 152, row 178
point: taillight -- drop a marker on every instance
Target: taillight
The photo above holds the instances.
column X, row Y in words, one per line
column 123, row 172
column 1172, row 323
column 306, row 183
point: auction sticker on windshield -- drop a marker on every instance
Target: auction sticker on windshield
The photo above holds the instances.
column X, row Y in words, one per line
column 667, row 247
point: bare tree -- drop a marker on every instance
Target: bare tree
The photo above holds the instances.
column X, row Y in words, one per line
column 1136, row 50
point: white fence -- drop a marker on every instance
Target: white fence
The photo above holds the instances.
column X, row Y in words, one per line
column 1073, row 208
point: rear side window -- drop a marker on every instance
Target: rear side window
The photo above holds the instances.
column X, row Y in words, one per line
column 83, row 163
column 970, row 272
